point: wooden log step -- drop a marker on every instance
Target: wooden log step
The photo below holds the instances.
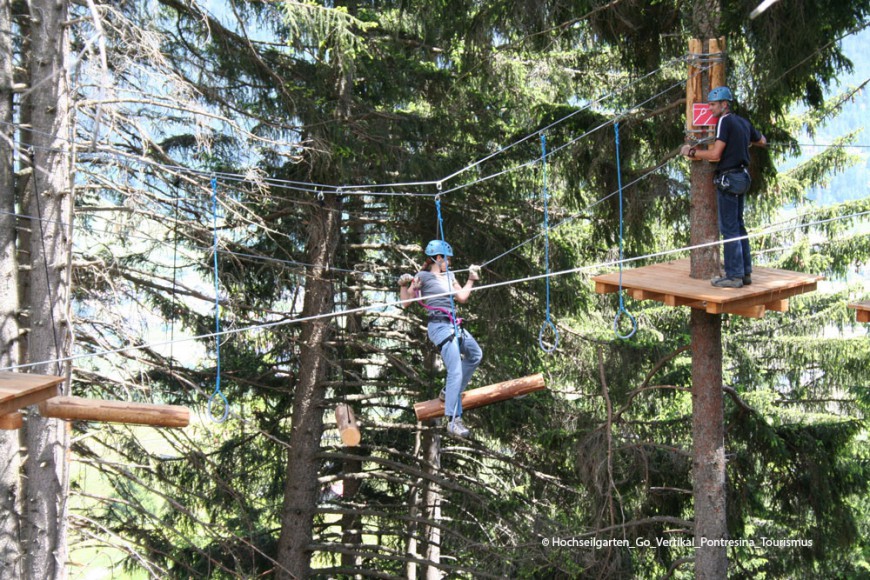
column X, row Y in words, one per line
column 77, row 408
column 483, row 396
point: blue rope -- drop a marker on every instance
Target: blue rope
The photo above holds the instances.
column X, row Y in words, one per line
column 447, row 271
column 622, row 309
column 548, row 324
column 456, row 330
column 217, row 318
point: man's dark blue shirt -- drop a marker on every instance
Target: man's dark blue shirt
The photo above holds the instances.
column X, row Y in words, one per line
column 737, row 133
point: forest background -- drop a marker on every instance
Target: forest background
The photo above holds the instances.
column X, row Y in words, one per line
column 258, row 141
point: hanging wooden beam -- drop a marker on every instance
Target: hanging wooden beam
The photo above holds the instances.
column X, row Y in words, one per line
column 347, row 426
column 77, row 408
column 483, row 396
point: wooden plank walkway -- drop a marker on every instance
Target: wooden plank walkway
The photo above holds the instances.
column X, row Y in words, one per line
column 19, row 390
column 862, row 309
column 671, row 284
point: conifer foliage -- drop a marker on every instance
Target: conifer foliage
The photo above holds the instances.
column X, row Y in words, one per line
column 322, row 134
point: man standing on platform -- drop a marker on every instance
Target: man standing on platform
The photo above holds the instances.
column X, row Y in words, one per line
column 734, row 136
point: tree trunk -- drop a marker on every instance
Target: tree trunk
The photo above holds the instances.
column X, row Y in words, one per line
column 704, row 220
column 708, row 435
column 301, row 489
column 10, row 458
column 411, row 545
column 44, row 525
column 432, row 502
column 708, row 429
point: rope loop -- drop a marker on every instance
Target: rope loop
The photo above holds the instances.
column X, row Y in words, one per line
column 551, row 347
column 621, row 309
column 226, row 405
column 619, row 314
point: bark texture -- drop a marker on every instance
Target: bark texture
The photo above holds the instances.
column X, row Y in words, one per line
column 301, row 489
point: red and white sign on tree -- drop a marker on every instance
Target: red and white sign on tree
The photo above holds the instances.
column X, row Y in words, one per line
column 701, row 116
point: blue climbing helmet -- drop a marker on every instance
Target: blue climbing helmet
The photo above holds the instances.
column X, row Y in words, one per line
column 720, row 94
column 438, row 248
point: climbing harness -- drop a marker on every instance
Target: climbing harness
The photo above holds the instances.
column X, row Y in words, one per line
column 548, row 323
column 621, row 309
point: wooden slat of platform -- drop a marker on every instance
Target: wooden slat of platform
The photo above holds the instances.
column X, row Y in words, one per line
column 862, row 309
column 671, row 284
column 19, row 390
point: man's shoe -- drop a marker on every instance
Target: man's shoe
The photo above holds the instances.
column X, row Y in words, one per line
column 442, row 396
column 747, row 280
column 457, row 428
column 727, row 282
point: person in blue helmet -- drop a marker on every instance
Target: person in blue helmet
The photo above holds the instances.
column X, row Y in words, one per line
column 459, row 351
column 734, row 136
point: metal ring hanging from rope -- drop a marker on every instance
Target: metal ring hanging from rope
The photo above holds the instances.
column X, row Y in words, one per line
column 217, row 319
column 547, row 324
column 621, row 309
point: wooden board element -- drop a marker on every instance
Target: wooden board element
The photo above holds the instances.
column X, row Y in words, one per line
column 483, row 396
column 77, row 408
column 670, row 283
column 11, row 421
column 862, row 309
column 19, row 390
column 347, row 426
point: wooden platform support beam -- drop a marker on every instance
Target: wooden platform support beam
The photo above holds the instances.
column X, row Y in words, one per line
column 862, row 311
column 483, row 396
column 11, row 421
column 77, row 408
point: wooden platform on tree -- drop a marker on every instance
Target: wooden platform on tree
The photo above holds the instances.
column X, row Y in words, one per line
column 862, row 311
column 671, row 284
column 19, row 390
column 488, row 395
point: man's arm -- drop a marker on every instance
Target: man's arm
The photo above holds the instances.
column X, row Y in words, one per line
column 760, row 143
column 713, row 154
